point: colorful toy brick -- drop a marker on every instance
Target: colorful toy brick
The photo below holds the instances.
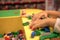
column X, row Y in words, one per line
column 47, row 39
column 9, row 34
column 43, row 37
column 29, row 17
column 7, row 38
column 37, row 32
column 52, row 35
column 46, row 29
column 1, row 35
column 20, row 31
column 33, row 34
column 55, row 39
column 13, row 38
column 21, row 38
column 25, row 24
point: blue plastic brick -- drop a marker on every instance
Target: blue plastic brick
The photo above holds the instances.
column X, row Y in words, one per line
column 46, row 29
column 32, row 34
column 9, row 34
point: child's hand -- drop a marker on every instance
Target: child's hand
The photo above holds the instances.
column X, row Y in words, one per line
column 39, row 16
column 41, row 23
column 41, row 20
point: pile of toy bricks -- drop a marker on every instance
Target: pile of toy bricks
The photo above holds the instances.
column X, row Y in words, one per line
column 19, row 35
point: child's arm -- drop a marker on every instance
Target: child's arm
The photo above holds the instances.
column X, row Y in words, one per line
column 54, row 13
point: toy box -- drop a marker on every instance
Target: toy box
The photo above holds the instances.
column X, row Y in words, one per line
column 11, row 27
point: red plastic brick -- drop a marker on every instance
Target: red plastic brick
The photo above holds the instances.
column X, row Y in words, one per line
column 6, row 38
column 55, row 39
column 21, row 31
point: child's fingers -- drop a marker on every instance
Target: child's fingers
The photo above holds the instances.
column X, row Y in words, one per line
column 31, row 25
column 34, row 17
column 34, row 23
column 35, row 27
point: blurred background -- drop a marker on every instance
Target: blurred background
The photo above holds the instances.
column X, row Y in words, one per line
column 25, row 4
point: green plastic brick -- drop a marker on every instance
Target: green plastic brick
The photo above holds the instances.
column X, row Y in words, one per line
column 43, row 37
column 29, row 17
column 59, row 36
column 52, row 35
column 15, row 33
column 1, row 35
column 25, row 24
column 37, row 32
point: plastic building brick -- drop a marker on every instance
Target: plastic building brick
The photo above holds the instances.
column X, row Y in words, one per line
column 52, row 35
column 9, row 34
column 46, row 29
column 21, row 31
column 7, row 38
column 45, row 34
column 37, row 32
column 20, row 35
column 25, row 24
column 13, row 38
column 43, row 37
column 55, row 39
column 21, row 38
column 29, row 17
column 1, row 35
column 47, row 39
column 32, row 34
column 59, row 36
column 15, row 33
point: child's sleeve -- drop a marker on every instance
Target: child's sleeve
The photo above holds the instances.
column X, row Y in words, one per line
column 57, row 26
